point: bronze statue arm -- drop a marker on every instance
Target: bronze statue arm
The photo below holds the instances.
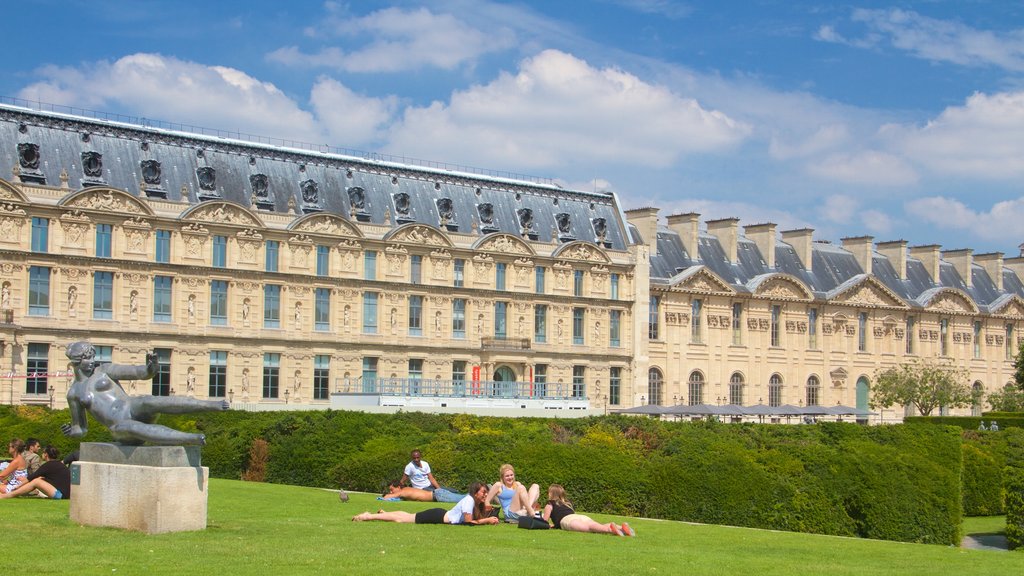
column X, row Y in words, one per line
column 125, row 372
column 79, row 420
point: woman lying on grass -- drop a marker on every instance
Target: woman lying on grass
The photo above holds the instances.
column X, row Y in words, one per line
column 559, row 512
column 469, row 510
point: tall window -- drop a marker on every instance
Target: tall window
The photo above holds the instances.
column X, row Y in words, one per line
column 944, row 337
column 655, row 383
column 162, row 298
column 737, row 323
column 977, row 339
column 776, row 329
column 271, row 306
column 370, row 313
column 103, row 241
column 813, row 391
column 696, row 321
column 910, row 334
column 416, row 269
column 370, row 265
column 103, row 295
column 163, row 246
column 458, row 377
column 323, row 260
column 579, row 385
column 696, row 388
column 272, row 250
column 218, row 384
column 862, row 332
column 615, row 327
column 37, row 367
column 220, row 251
column 614, row 292
column 369, row 374
column 162, row 380
column 578, row 325
column 736, row 389
column 775, row 390
column 499, row 275
column 653, row 316
column 539, row 275
column 500, row 319
column 218, row 302
column 459, row 275
column 415, row 315
column 458, row 318
column 271, row 374
column 415, row 374
column 1009, row 350
column 40, row 234
column 540, row 380
column 540, row 323
column 577, row 282
column 321, row 376
column 322, row 309
column 615, row 386
column 812, row 328
column 39, row 291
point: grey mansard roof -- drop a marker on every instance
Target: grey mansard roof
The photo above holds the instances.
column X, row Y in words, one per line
column 186, row 167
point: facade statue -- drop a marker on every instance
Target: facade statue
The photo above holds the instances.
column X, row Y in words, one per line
column 96, row 390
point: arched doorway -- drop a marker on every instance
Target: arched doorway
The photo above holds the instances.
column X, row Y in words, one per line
column 504, row 382
column 863, row 397
column 977, row 394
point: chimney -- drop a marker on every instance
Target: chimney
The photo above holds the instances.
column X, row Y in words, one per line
column 862, row 250
column 726, row 231
column 763, row 235
column 646, row 221
column 896, row 252
column 993, row 265
column 801, row 242
column 685, row 225
column 1016, row 265
column 961, row 260
column 929, row 256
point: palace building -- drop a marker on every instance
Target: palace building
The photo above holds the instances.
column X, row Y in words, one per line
column 280, row 277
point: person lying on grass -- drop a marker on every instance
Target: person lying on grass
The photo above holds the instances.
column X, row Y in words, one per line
column 560, row 513
column 469, row 510
column 396, row 490
column 52, row 478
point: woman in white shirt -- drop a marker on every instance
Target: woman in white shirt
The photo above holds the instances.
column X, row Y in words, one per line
column 469, row 510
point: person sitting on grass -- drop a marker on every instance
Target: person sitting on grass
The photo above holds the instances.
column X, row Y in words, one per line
column 396, row 490
column 52, row 478
column 469, row 511
column 516, row 500
column 561, row 514
column 14, row 473
column 31, row 455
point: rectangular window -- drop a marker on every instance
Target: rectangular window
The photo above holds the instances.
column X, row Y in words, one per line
column 578, row 325
column 415, row 374
column 321, row 376
column 271, row 306
column 162, row 298
column 162, row 380
column 103, row 241
column 370, row 313
column 416, row 269
column 218, row 384
column 500, row 319
column 323, row 260
column 944, row 337
column 322, row 309
column 458, row 318
column 499, row 275
column 577, row 282
column 977, row 339
column 579, row 386
column 910, row 334
column 218, row 302
column 540, row 380
column 696, row 321
column 104, row 354
column 774, row 395
column 540, row 323
column 39, row 291
column 539, row 281
column 272, row 249
column 812, row 328
column 103, row 295
column 775, row 328
column 615, row 386
column 458, row 377
column 369, row 374
column 40, row 234
column 220, row 251
column 459, row 276
column 862, row 332
column 653, row 315
column 1009, row 351
column 163, row 246
column 415, row 315
column 614, row 295
column 370, row 265
column 615, row 327
column 737, row 323
column 271, row 374
column 38, row 365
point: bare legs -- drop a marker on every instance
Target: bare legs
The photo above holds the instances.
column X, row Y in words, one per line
column 525, row 501
column 382, row 516
column 582, row 523
column 38, row 483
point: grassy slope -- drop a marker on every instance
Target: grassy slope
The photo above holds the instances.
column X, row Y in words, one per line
column 285, row 530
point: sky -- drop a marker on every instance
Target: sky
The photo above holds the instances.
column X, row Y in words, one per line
column 896, row 120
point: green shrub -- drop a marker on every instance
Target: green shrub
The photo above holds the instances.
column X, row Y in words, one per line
column 1015, row 508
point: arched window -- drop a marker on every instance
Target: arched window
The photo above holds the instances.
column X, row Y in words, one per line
column 813, row 391
column 654, row 382
column 696, row 388
column 977, row 393
column 775, row 390
column 736, row 389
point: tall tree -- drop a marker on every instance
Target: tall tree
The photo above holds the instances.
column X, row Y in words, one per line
column 1018, row 365
column 925, row 385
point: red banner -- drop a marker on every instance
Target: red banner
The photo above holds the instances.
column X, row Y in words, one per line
column 12, row 375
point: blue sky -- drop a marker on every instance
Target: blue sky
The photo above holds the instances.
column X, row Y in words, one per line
column 898, row 120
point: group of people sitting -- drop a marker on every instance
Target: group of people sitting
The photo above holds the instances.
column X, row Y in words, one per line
column 516, row 501
column 27, row 473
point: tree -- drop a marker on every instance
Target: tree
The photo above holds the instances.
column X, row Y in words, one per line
column 1009, row 399
column 924, row 385
column 1018, row 366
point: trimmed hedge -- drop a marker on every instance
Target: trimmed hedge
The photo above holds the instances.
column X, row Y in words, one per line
column 1015, row 508
column 1004, row 419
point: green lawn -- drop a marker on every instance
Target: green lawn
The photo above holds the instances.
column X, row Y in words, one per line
column 285, row 530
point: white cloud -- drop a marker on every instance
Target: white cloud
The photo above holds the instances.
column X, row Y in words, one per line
column 878, row 222
column 401, row 40
column 824, row 138
column 350, row 119
column 559, row 110
column 747, row 212
column 869, row 167
column 1000, row 223
column 838, row 208
column 666, row 8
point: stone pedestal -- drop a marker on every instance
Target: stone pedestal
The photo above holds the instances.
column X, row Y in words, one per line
column 151, row 489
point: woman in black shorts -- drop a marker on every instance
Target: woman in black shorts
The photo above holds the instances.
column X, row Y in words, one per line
column 469, row 510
